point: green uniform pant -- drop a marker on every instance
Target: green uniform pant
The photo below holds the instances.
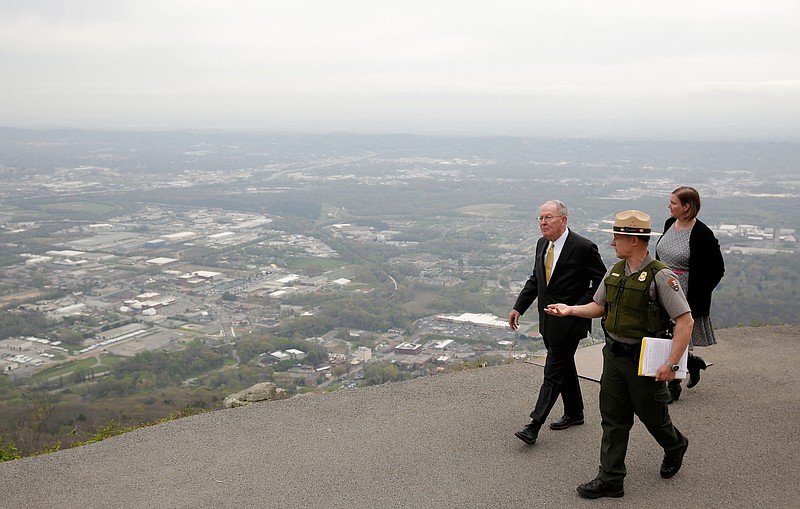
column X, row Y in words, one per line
column 624, row 393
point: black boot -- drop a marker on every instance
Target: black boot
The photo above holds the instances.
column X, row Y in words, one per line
column 694, row 365
column 674, row 390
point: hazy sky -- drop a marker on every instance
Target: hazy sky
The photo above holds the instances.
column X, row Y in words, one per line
column 598, row 68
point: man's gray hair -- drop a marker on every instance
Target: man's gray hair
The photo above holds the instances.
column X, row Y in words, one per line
column 560, row 207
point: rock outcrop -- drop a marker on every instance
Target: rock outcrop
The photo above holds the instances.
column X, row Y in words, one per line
column 264, row 391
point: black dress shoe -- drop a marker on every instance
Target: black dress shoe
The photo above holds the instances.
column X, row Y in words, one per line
column 528, row 434
column 672, row 462
column 565, row 422
column 597, row 488
column 694, row 365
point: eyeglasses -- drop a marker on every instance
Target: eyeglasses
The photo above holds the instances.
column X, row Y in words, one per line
column 548, row 218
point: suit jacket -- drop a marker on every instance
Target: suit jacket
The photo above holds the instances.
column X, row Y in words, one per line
column 706, row 266
column 575, row 279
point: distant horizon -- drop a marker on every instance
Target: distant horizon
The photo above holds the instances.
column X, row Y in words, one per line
column 429, row 132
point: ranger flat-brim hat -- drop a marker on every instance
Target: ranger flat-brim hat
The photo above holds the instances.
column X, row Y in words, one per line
column 632, row 222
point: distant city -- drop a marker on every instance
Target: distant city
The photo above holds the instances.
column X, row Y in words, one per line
column 130, row 242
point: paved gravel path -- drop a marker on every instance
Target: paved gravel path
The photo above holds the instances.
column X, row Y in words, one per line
column 445, row 442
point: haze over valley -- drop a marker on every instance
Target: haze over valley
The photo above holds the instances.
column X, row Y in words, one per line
column 174, row 268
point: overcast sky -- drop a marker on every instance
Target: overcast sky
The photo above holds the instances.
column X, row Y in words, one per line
column 695, row 69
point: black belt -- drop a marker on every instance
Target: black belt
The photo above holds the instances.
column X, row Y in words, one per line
column 623, row 349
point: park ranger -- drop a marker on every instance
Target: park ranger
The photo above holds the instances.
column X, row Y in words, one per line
column 640, row 297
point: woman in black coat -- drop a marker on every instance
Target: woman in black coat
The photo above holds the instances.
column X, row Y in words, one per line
column 690, row 248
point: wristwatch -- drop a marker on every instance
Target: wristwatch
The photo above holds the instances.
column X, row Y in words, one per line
column 673, row 367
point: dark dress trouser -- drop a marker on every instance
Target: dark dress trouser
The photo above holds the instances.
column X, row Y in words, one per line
column 623, row 394
column 560, row 378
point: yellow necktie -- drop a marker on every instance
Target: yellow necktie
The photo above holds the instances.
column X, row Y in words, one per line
column 548, row 263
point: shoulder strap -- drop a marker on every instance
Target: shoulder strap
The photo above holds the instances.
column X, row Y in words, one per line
column 654, row 267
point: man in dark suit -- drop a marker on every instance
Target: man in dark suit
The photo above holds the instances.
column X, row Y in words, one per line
column 568, row 268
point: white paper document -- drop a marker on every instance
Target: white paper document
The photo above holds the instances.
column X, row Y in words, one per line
column 655, row 352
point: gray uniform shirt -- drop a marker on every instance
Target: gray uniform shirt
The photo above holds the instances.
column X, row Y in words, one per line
column 670, row 295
